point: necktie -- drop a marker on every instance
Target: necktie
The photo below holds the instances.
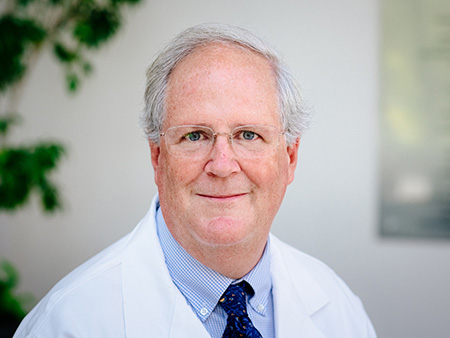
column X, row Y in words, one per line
column 239, row 324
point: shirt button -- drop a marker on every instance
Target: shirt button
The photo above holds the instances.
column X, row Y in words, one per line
column 203, row 311
column 260, row 307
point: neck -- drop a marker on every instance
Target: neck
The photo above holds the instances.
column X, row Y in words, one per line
column 231, row 261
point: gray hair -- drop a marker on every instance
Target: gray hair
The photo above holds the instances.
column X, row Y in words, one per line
column 293, row 117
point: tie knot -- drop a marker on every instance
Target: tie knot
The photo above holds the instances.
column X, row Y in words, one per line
column 235, row 305
column 234, row 300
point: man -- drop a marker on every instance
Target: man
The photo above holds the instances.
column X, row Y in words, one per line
column 224, row 120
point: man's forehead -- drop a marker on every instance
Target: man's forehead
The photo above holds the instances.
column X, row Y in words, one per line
column 223, row 82
column 207, row 57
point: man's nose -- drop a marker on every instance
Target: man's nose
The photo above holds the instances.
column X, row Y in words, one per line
column 222, row 158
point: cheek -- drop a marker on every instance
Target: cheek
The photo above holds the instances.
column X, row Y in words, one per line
column 175, row 175
column 280, row 178
column 269, row 176
column 163, row 173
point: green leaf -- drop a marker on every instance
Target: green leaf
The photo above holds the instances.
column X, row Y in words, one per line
column 11, row 307
column 16, row 35
column 15, row 177
column 49, row 196
column 8, row 275
column 24, row 169
column 6, row 122
column 46, row 155
column 64, row 54
column 97, row 27
column 73, row 82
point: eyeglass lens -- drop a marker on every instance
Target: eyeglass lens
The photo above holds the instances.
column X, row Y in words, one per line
column 197, row 141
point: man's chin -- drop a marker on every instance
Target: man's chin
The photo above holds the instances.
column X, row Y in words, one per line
column 223, row 231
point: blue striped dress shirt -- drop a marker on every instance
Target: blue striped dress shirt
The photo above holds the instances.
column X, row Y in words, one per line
column 202, row 287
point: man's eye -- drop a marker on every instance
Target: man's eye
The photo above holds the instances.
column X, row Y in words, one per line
column 248, row 135
column 193, row 136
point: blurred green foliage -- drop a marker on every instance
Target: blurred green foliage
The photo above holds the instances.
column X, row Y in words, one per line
column 71, row 30
column 68, row 27
column 25, row 169
column 16, row 36
column 12, row 306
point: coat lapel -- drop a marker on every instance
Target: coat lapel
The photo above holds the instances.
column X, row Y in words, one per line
column 296, row 296
column 153, row 306
column 185, row 323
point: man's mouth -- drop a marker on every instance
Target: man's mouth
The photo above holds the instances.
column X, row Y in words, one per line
column 222, row 197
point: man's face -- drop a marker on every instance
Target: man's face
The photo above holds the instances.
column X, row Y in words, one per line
column 222, row 199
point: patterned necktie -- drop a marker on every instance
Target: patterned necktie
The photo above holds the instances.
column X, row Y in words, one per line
column 239, row 324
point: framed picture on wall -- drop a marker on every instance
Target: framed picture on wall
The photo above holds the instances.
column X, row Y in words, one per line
column 415, row 118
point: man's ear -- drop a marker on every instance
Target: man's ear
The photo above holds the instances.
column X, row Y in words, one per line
column 292, row 152
column 155, row 152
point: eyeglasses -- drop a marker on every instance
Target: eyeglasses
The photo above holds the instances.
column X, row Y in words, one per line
column 194, row 141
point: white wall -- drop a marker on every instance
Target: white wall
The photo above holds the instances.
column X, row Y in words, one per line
column 330, row 211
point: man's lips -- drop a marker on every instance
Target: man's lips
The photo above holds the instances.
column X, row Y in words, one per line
column 222, row 196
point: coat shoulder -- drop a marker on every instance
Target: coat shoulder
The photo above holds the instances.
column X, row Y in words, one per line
column 80, row 300
column 300, row 262
column 341, row 313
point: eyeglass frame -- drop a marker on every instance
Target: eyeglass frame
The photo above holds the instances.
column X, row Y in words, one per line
column 215, row 134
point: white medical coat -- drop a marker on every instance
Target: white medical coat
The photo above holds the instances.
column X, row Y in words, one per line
column 126, row 291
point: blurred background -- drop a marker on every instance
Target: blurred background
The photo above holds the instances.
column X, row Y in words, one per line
column 331, row 211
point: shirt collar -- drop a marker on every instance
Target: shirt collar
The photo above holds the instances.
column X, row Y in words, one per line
column 202, row 286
